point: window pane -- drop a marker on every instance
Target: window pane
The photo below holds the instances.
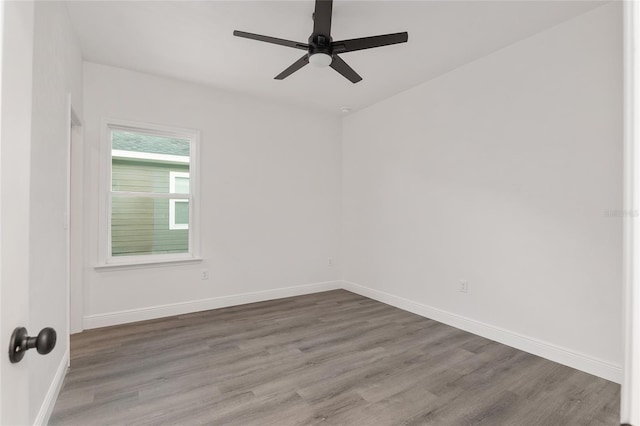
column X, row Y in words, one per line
column 181, row 212
column 141, row 226
column 178, row 214
column 143, row 163
column 182, row 185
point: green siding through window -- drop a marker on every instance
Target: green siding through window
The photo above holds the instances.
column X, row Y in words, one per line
column 140, row 225
column 143, row 176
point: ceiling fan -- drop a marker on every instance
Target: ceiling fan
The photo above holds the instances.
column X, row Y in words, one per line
column 322, row 50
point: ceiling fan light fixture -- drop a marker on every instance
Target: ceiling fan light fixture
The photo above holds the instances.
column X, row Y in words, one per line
column 321, row 48
column 320, row 59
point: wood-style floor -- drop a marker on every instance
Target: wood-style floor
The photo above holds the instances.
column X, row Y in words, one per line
column 331, row 358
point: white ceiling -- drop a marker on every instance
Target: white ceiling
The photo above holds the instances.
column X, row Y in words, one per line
column 193, row 41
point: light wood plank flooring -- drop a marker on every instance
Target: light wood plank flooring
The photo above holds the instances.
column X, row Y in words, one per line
column 332, row 358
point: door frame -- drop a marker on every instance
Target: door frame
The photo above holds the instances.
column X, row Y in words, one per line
column 74, row 224
column 630, row 391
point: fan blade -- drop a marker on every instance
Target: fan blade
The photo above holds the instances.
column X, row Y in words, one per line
column 293, row 68
column 272, row 40
column 354, row 44
column 322, row 18
column 341, row 66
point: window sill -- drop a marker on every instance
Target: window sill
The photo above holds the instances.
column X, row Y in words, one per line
column 142, row 265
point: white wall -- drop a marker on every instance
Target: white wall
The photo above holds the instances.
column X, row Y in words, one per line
column 270, row 197
column 500, row 173
column 57, row 71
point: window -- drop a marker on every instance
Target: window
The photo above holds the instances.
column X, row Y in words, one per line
column 178, row 208
column 150, row 205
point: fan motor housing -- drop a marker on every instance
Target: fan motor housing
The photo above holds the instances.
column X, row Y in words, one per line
column 319, row 44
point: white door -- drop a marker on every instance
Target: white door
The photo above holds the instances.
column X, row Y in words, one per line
column 16, row 56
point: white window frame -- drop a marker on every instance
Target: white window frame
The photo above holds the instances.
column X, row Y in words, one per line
column 105, row 258
column 172, row 201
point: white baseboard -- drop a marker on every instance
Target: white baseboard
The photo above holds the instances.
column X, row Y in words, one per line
column 52, row 394
column 543, row 349
column 153, row 312
column 532, row 345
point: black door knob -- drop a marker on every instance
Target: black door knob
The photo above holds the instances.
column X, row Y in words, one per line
column 22, row 342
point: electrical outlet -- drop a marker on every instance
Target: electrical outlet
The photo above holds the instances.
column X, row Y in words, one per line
column 204, row 274
column 464, row 286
